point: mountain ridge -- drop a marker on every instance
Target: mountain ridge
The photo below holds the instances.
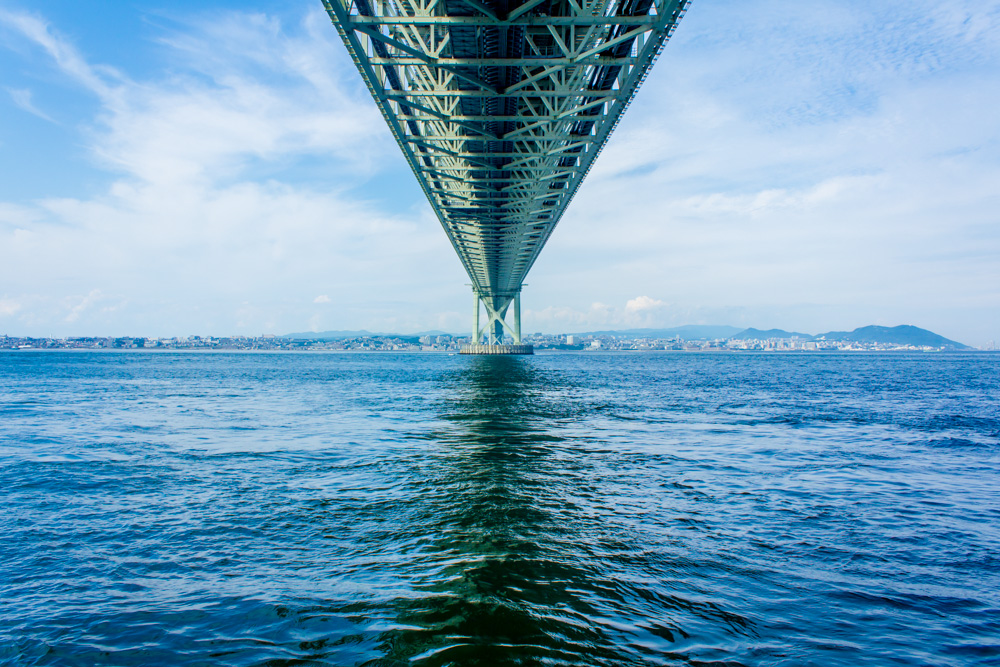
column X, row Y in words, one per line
column 904, row 334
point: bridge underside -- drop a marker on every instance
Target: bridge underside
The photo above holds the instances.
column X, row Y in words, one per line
column 501, row 107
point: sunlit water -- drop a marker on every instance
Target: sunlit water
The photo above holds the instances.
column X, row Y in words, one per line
column 565, row 509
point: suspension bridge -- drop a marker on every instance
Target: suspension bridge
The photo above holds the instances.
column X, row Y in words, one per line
column 500, row 108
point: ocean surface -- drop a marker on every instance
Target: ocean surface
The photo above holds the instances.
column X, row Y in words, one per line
column 561, row 509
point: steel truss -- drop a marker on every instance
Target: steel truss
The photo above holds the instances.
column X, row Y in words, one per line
column 501, row 107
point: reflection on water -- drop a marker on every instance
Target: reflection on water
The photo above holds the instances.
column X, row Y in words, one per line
column 472, row 598
column 523, row 565
column 490, row 578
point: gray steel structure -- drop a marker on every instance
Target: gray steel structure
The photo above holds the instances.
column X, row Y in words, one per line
column 501, row 107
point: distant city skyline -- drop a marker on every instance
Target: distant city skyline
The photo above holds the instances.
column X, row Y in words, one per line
column 690, row 337
column 218, row 169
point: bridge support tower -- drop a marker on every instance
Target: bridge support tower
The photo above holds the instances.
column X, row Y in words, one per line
column 489, row 339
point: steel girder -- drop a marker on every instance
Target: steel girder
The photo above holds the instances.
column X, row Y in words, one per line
column 501, row 107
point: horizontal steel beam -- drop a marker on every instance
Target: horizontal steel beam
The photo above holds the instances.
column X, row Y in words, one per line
column 539, row 61
column 496, row 119
column 501, row 95
column 487, row 22
column 525, row 139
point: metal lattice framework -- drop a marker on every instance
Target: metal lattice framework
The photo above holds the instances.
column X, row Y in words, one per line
column 500, row 109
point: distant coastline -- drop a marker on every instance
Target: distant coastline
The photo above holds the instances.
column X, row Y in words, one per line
column 904, row 338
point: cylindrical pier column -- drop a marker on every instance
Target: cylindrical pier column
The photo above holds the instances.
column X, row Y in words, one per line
column 517, row 319
column 475, row 319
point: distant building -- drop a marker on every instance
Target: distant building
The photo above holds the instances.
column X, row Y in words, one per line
column 571, row 339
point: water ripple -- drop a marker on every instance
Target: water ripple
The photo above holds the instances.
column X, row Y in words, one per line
column 600, row 509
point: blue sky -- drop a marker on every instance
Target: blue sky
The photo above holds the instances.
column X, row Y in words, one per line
column 218, row 168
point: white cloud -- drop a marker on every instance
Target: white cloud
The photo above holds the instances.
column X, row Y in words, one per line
column 643, row 303
column 83, row 305
column 23, row 99
column 66, row 57
column 18, row 217
column 206, row 123
column 322, row 298
column 191, row 230
column 9, row 307
column 642, row 311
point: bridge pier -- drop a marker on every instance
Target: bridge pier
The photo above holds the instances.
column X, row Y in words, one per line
column 497, row 307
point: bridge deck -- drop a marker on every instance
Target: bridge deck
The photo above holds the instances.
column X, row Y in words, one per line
column 501, row 107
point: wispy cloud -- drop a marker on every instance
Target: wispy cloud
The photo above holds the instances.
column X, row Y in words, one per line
column 200, row 212
column 9, row 307
column 18, row 217
column 640, row 312
column 213, row 118
column 83, row 305
column 65, row 56
column 23, row 99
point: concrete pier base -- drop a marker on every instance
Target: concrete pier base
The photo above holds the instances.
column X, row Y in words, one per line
column 497, row 349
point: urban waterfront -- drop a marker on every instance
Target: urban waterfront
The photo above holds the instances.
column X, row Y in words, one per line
column 564, row 509
column 441, row 342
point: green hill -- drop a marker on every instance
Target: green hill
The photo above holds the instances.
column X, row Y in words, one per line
column 902, row 335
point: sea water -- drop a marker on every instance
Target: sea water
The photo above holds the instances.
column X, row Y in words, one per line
column 562, row 509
